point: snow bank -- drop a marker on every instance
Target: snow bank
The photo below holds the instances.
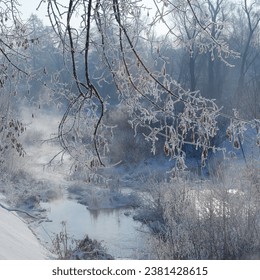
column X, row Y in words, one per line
column 17, row 242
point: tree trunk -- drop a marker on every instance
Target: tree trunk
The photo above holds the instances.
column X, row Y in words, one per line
column 192, row 74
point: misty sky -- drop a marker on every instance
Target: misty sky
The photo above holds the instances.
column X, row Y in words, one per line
column 29, row 7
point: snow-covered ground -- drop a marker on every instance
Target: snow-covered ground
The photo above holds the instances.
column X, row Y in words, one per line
column 17, row 241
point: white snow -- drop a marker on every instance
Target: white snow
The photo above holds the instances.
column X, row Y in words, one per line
column 17, row 241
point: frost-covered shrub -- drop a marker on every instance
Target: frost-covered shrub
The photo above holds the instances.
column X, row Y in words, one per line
column 69, row 248
column 88, row 249
column 217, row 219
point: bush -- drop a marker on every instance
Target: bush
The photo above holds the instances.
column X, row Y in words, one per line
column 68, row 248
column 215, row 219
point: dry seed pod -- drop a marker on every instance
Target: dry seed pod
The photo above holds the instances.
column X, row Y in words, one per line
column 205, row 153
column 193, row 136
column 228, row 134
column 166, row 149
column 236, row 144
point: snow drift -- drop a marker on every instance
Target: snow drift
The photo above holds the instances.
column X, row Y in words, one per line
column 17, row 241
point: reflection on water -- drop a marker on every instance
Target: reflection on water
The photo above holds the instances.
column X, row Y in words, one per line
column 117, row 231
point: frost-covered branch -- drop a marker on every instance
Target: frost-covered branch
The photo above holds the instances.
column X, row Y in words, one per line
column 116, row 32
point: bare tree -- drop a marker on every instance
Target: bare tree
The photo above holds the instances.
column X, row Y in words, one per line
column 250, row 15
column 13, row 43
column 189, row 35
column 218, row 16
column 154, row 100
column 192, row 22
column 13, row 36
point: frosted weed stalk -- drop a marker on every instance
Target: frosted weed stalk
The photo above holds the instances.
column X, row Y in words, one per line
column 69, row 248
column 217, row 219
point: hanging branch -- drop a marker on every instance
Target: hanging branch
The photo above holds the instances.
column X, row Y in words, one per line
column 86, row 90
column 90, row 85
column 179, row 115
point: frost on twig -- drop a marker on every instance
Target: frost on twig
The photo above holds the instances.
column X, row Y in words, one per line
column 115, row 32
column 235, row 130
